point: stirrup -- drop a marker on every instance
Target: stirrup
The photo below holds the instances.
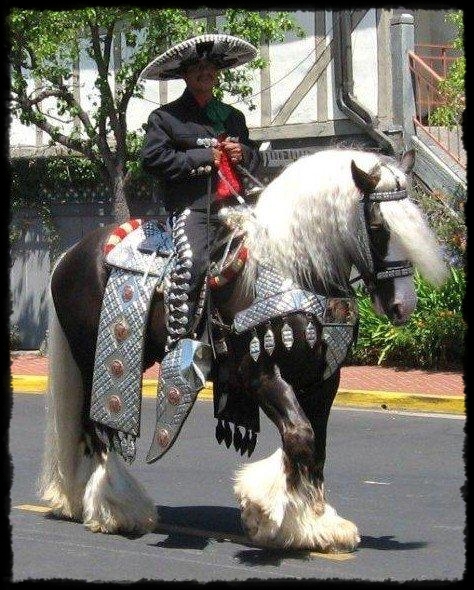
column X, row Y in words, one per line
column 184, row 371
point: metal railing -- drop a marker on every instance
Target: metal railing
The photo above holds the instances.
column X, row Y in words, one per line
column 429, row 98
column 438, row 57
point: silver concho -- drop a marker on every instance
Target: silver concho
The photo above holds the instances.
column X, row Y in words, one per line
column 287, row 336
column 254, row 348
column 311, row 334
column 269, row 342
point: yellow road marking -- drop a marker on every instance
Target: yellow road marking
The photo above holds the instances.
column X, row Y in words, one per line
column 333, row 556
column 29, row 384
column 33, row 508
column 393, row 400
column 219, row 536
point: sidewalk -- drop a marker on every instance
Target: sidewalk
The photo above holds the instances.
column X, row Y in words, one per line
column 364, row 386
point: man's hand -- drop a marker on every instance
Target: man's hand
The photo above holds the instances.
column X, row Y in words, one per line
column 233, row 149
column 216, row 155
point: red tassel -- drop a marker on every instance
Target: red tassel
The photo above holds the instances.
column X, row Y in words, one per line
column 223, row 191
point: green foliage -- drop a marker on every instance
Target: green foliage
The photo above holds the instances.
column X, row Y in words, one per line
column 433, row 337
column 446, row 217
column 15, row 339
column 452, row 88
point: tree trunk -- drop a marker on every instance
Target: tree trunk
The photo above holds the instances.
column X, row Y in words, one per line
column 120, row 209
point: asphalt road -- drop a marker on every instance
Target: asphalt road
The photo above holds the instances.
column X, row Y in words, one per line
column 397, row 476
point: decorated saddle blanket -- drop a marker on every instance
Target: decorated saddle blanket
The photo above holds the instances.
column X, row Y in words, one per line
column 145, row 247
column 140, row 254
column 118, row 370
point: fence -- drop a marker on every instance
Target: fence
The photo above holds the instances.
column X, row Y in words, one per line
column 429, row 98
column 437, row 57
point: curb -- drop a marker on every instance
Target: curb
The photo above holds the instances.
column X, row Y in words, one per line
column 386, row 400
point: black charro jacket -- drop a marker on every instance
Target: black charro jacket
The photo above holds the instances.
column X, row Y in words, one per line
column 173, row 151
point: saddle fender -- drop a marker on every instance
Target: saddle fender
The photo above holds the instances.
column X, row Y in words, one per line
column 184, row 371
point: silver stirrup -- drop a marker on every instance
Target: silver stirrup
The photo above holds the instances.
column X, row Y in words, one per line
column 184, row 371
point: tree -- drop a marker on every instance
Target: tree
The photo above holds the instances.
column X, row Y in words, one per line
column 45, row 45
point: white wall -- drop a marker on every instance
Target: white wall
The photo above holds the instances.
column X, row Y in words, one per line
column 364, row 62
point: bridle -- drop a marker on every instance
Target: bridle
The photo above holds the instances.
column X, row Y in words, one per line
column 378, row 269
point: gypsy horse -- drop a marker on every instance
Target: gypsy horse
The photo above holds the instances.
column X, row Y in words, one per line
column 324, row 216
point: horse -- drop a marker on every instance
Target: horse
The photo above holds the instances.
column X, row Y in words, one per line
column 323, row 216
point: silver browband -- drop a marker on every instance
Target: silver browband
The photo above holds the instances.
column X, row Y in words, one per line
column 386, row 196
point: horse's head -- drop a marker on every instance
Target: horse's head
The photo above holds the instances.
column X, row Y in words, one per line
column 335, row 209
column 388, row 275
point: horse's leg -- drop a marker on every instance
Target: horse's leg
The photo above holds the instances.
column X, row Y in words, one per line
column 316, row 404
column 282, row 497
column 114, row 501
column 80, row 479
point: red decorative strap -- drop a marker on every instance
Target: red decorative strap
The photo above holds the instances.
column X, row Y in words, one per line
column 120, row 232
column 231, row 271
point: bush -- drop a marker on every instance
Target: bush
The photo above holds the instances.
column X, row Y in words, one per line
column 15, row 340
column 433, row 337
column 452, row 88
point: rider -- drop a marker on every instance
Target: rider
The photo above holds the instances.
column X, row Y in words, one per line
column 192, row 146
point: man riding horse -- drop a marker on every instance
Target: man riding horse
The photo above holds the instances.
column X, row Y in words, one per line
column 192, row 147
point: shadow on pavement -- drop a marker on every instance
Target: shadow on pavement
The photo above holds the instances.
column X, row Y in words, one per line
column 389, row 543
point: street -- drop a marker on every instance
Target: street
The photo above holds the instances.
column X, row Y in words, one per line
column 397, row 476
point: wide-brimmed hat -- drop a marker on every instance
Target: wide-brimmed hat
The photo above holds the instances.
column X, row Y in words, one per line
column 225, row 51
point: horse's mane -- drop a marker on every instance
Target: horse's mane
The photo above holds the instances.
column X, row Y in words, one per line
column 307, row 221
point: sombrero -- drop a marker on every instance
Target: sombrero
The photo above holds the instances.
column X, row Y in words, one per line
column 225, row 51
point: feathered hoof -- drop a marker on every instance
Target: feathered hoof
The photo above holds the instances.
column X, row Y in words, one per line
column 62, row 505
column 274, row 515
column 112, row 526
column 115, row 503
column 328, row 533
column 261, row 526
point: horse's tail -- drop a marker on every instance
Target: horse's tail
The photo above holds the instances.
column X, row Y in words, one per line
column 67, row 464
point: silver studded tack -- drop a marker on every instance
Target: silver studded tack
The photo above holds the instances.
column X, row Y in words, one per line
column 269, row 341
column 254, row 348
column 127, row 293
column 311, row 334
column 287, row 336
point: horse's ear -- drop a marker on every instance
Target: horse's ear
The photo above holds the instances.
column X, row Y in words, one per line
column 407, row 161
column 365, row 181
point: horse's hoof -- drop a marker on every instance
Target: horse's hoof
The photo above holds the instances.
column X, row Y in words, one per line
column 97, row 527
column 346, row 537
column 250, row 517
column 107, row 529
column 333, row 534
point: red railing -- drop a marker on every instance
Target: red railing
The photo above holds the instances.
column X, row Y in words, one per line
column 428, row 98
column 437, row 57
